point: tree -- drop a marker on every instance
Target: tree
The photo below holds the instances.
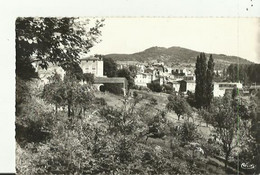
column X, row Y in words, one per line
column 52, row 40
column 88, row 77
column 209, row 82
column 110, row 67
column 179, row 106
column 125, row 72
column 154, row 86
column 200, row 72
column 189, row 132
column 52, row 92
column 227, row 121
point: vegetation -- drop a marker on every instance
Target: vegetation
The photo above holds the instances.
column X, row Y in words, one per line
column 65, row 127
column 110, row 67
column 179, row 105
column 52, row 40
column 129, row 74
column 204, row 81
column 245, row 73
column 154, row 86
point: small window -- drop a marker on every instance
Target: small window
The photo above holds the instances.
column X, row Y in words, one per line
column 93, row 68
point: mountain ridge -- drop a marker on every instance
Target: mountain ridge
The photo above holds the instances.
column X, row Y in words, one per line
column 176, row 55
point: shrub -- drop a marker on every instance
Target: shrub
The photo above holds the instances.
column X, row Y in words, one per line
column 154, row 101
column 156, row 87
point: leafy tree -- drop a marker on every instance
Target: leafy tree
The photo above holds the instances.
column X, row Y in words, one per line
column 52, row 91
column 179, row 106
column 201, row 73
column 88, row 77
column 110, row 67
column 52, row 40
column 76, row 70
column 189, row 132
column 206, row 115
column 209, row 82
column 125, row 72
column 226, row 116
column 154, row 86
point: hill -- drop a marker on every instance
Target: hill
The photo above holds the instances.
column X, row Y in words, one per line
column 176, row 55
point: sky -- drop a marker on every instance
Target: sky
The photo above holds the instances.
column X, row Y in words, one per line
column 230, row 36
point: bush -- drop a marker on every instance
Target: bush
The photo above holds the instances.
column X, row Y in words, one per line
column 154, row 101
column 88, row 77
column 189, row 132
column 156, row 87
column 100, row 101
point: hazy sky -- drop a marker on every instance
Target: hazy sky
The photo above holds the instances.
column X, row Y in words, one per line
column 230, row 36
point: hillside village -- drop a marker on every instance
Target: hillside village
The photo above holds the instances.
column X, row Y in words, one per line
column 160, row 111
column 180, row 78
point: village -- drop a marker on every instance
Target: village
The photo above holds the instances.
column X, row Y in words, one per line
column 181, row 79
column 163, row 110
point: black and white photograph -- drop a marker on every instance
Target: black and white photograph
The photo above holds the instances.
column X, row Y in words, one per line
column 122, row 95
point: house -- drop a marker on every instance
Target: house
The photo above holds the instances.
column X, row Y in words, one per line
column 187, row 85
column 220, row 88
column 142, row 79
column 179, row 71
column 93, row 65
column 175, row 85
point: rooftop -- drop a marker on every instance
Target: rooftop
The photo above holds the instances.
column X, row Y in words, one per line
column 91, row 58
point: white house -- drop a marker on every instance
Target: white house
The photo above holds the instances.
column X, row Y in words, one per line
column 220, row 88
column 187, row 85
column 142, row 79
column 93, row 65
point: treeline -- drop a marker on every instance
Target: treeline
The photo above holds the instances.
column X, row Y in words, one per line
column 245, row 73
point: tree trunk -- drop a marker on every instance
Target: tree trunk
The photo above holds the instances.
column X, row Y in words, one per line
column 56, row 108
column 69, row 110
column 226, row 160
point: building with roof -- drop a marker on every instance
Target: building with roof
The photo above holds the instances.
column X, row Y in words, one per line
column 187, row 85
column 142, row 79
column 93, row 65
column 220, row 88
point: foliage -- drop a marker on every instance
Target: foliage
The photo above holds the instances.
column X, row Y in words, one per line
column 189, row 132
column 206, row 115
column 201, row 78
column 110, row 67
column 226, row 116
column 155, row 87
column 52, row 40
column 154, row 101
column 88, row 77
column 191, row 99
column 68, row 92
column 179, row 105
column 246, row 73
column 76, row 70
column 129, row 74
column 22, row 94
column 209, row 81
